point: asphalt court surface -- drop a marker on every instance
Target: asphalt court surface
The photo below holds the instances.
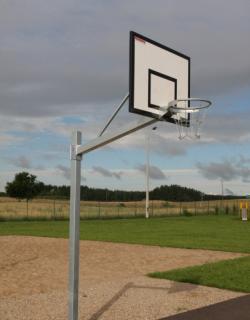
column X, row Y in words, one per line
column 233, row 309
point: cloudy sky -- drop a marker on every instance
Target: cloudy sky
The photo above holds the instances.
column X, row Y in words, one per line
column 64, row 66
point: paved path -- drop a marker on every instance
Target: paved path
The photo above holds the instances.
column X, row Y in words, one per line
column 233, row 309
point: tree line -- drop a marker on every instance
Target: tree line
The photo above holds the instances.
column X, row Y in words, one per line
column 26, row 186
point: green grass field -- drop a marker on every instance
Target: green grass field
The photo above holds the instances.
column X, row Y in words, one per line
column 229, row 274
column 225, row 233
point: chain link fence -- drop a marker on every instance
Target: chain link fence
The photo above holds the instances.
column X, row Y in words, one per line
column 56, row 209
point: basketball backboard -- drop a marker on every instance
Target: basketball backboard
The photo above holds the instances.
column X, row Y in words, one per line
column 157, row 76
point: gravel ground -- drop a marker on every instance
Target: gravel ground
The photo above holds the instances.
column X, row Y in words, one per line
column 113, row 285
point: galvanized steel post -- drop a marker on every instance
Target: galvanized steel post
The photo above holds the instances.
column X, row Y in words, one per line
column 74, row 228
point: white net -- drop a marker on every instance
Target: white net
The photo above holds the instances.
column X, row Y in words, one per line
column 189, row 115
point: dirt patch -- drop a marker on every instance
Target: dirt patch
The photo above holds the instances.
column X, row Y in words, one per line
column 34, row 280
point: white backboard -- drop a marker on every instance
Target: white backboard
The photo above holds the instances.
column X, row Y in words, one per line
column 158, row 75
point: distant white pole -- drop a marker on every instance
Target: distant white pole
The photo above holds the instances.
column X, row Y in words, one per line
column 147, row 173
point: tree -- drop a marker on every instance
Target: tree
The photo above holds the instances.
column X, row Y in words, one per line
column 24, row 186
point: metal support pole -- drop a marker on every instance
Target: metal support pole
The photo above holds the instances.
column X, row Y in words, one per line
column 77, row 150
column 74, row 226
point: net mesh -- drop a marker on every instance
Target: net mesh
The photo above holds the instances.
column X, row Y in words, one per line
column 189, row 118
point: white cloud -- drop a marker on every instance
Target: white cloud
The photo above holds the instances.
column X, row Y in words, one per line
column 226, row 170
column 58, row 54
column 107, row 173
column 229, row 192
column 64, row 171
column 155, row 173
column 9, row 139
column 61, row 59
column 21, row 162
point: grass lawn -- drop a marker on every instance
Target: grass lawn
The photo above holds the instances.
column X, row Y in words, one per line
column 226, row 233
column 228, row 274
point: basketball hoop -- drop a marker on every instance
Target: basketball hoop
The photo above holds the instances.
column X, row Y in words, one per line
column 188, row 115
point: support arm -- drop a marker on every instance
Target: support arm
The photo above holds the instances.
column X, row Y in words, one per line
column 110, row 137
